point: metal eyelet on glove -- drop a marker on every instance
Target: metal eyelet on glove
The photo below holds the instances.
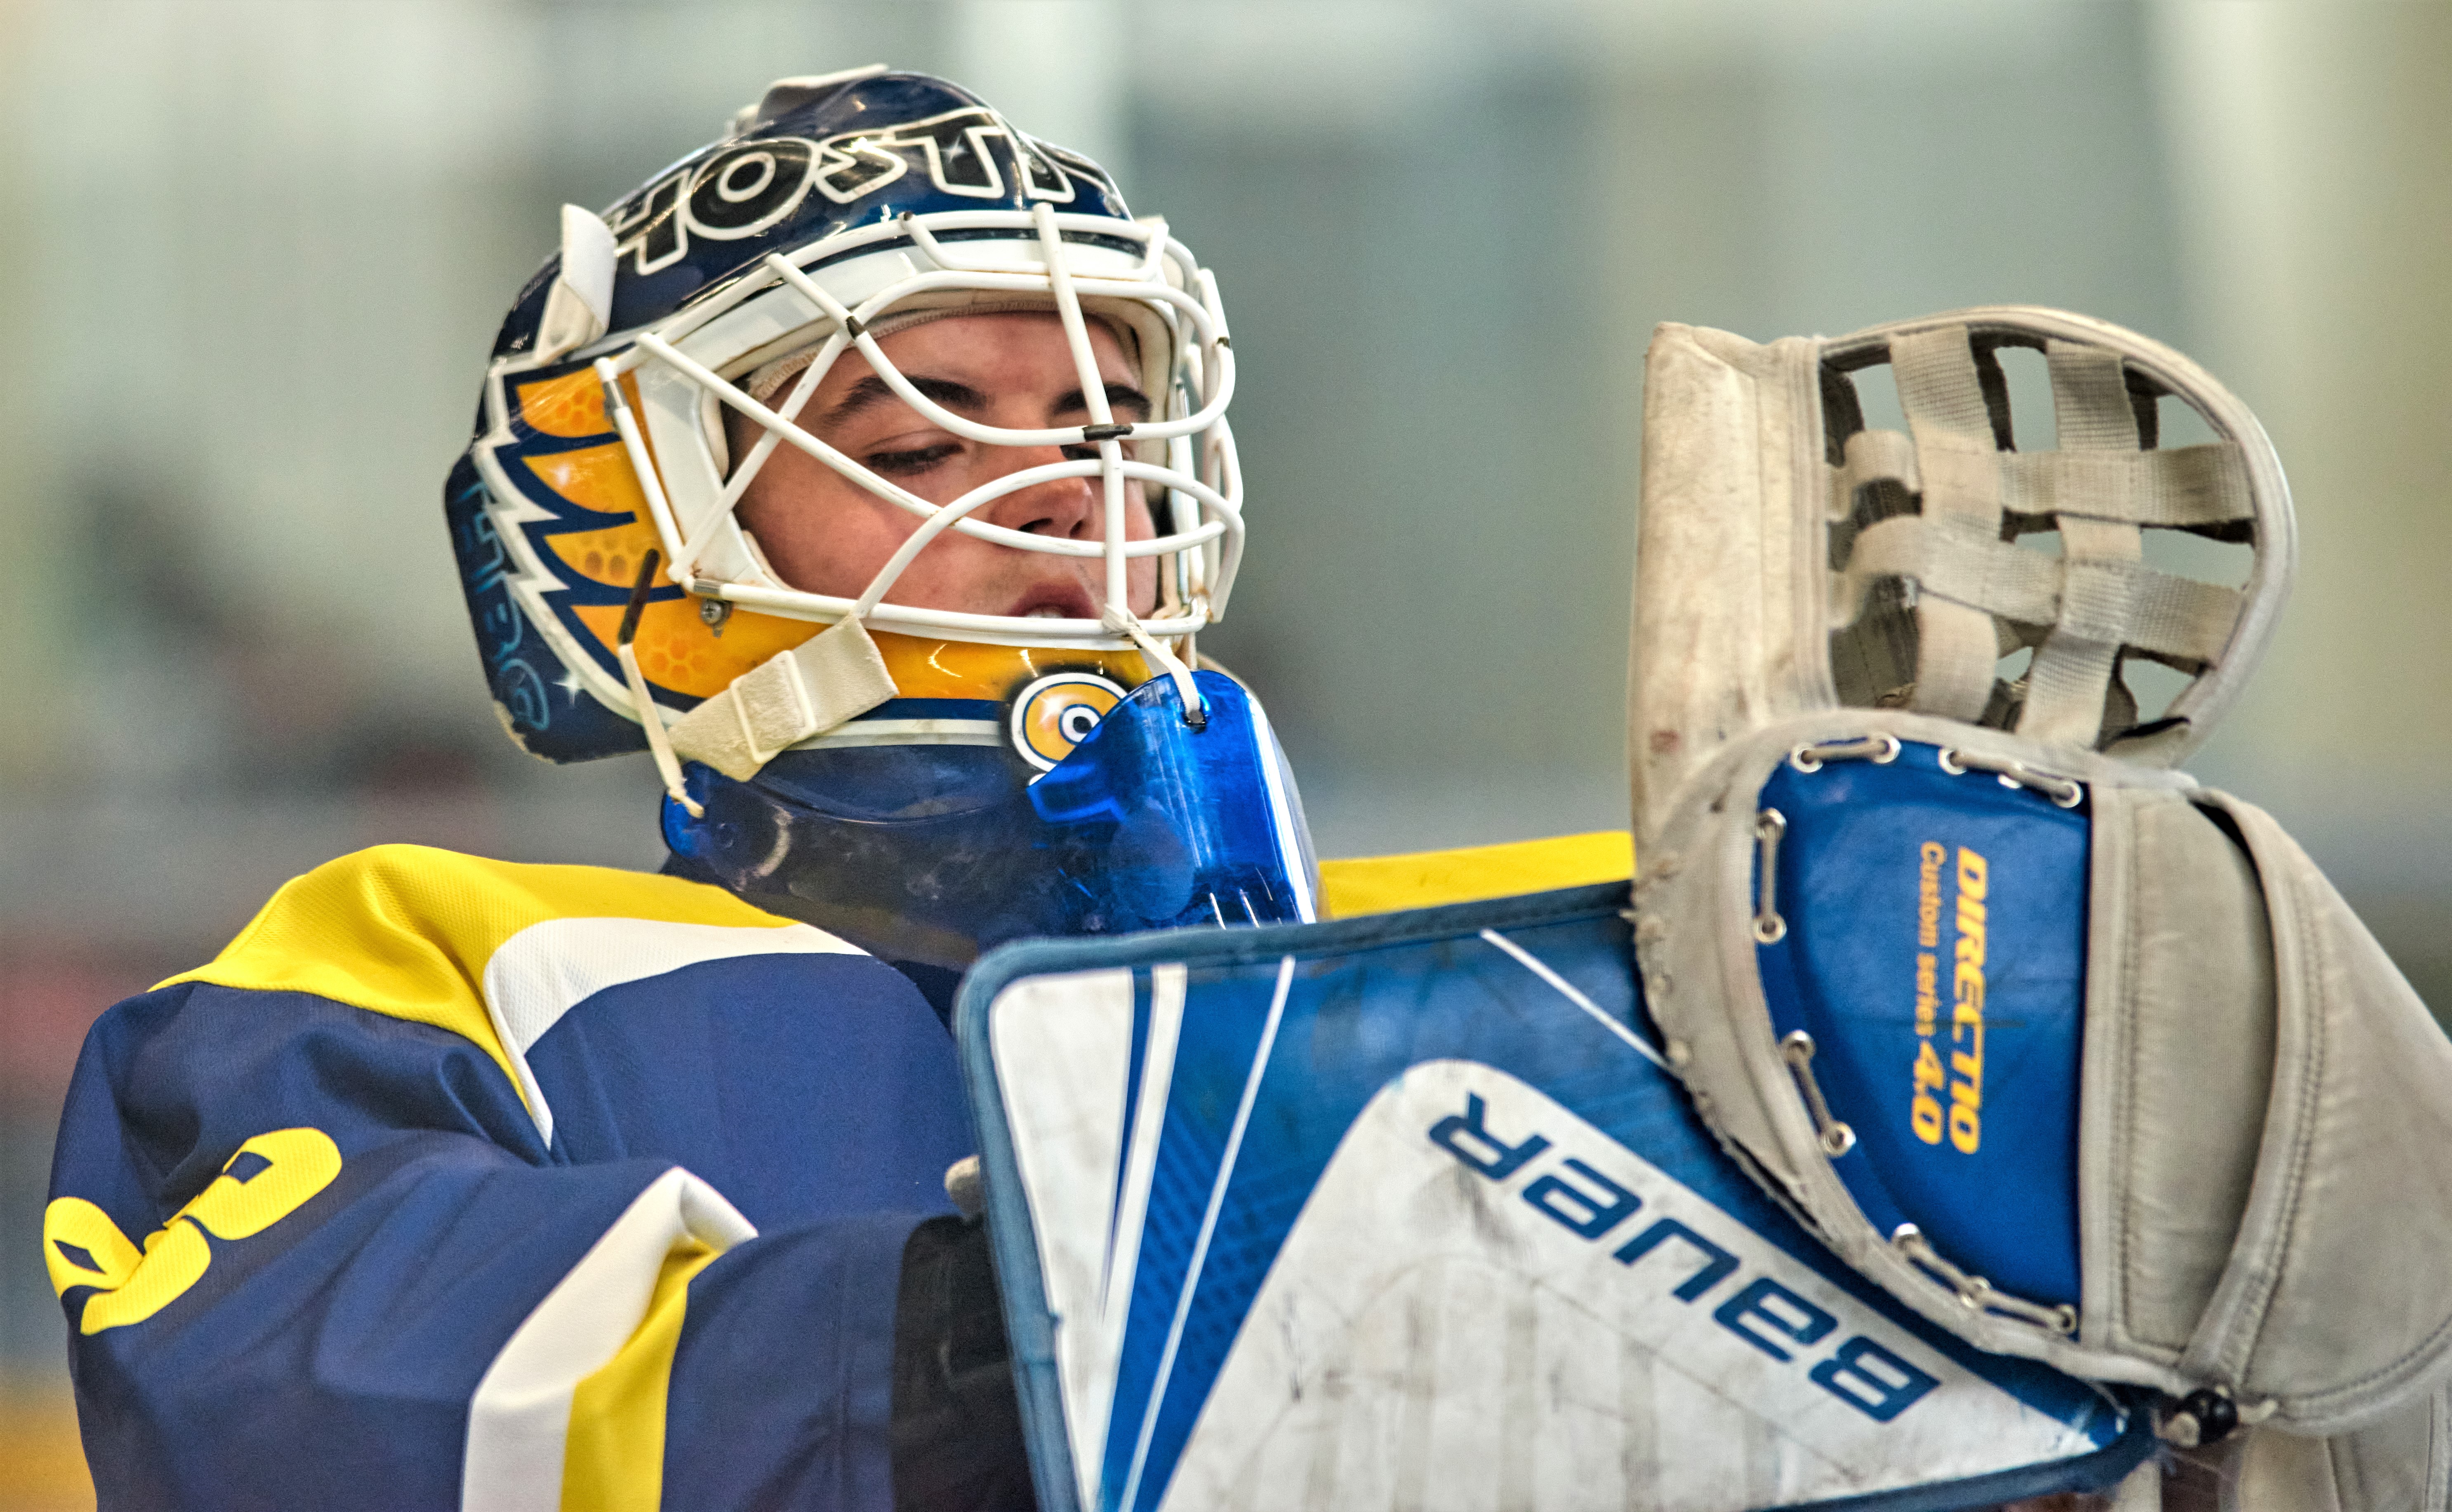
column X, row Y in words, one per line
column 1769, row 929
column 1881, row 750
column 2066, row 791
column 1974, row 1292
column 1797, row 1049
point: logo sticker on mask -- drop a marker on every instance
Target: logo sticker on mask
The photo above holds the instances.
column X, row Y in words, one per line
column 751, row 186
column 1053, row 714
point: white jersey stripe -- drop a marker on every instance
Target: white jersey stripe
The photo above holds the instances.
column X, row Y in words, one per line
column 546, row 970
column 519, row 1419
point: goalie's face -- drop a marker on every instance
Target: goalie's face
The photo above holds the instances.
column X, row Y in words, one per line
column 820, row 533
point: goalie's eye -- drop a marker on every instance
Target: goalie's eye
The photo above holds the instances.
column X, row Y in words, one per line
column 912, row 463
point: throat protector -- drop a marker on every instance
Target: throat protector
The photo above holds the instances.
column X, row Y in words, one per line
column 927, row 855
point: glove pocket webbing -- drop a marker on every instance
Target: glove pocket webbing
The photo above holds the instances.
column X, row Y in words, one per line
column 1977, row 593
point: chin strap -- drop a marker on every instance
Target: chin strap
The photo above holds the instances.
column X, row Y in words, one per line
column 835, row 676
column 651, row 718
column 1123, row 621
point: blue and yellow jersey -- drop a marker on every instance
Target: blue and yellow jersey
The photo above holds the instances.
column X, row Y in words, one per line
column 454, row 1182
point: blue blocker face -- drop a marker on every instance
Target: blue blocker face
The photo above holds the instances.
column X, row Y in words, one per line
column 1410, row 1212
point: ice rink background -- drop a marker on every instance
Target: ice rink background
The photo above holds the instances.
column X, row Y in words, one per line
column 252, row 253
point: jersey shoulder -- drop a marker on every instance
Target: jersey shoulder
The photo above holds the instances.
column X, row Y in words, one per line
column 473, row 945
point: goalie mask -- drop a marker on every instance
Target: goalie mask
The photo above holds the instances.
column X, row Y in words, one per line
column 653, row 371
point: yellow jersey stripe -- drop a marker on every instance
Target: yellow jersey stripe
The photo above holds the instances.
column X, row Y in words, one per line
column 613, row 1459
column 406, row 930
column 1385, row 884
column 525, row 1420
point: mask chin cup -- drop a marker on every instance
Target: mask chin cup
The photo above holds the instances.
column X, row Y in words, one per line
column 1148, row 823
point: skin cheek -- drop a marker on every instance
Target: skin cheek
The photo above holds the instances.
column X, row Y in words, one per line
column 823, row 535
column 820, row 535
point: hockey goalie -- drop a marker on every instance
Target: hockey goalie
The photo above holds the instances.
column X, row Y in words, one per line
column 978, row 1111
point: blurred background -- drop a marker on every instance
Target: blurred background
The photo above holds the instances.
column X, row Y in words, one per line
column 252, row 253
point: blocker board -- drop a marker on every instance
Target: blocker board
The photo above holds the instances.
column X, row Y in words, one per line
column 1411, row 1212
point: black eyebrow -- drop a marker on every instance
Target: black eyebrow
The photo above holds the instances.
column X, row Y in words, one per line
column 963, row 398
column 1119, row 396
column 872, row 390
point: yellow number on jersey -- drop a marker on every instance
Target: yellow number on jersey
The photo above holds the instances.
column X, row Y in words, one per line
column 82, row 1247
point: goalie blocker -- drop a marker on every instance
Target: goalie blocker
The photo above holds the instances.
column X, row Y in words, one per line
column 1409, row 1211
column 2079, row 1060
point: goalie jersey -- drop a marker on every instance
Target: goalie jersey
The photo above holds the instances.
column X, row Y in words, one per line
column 459, row 1182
